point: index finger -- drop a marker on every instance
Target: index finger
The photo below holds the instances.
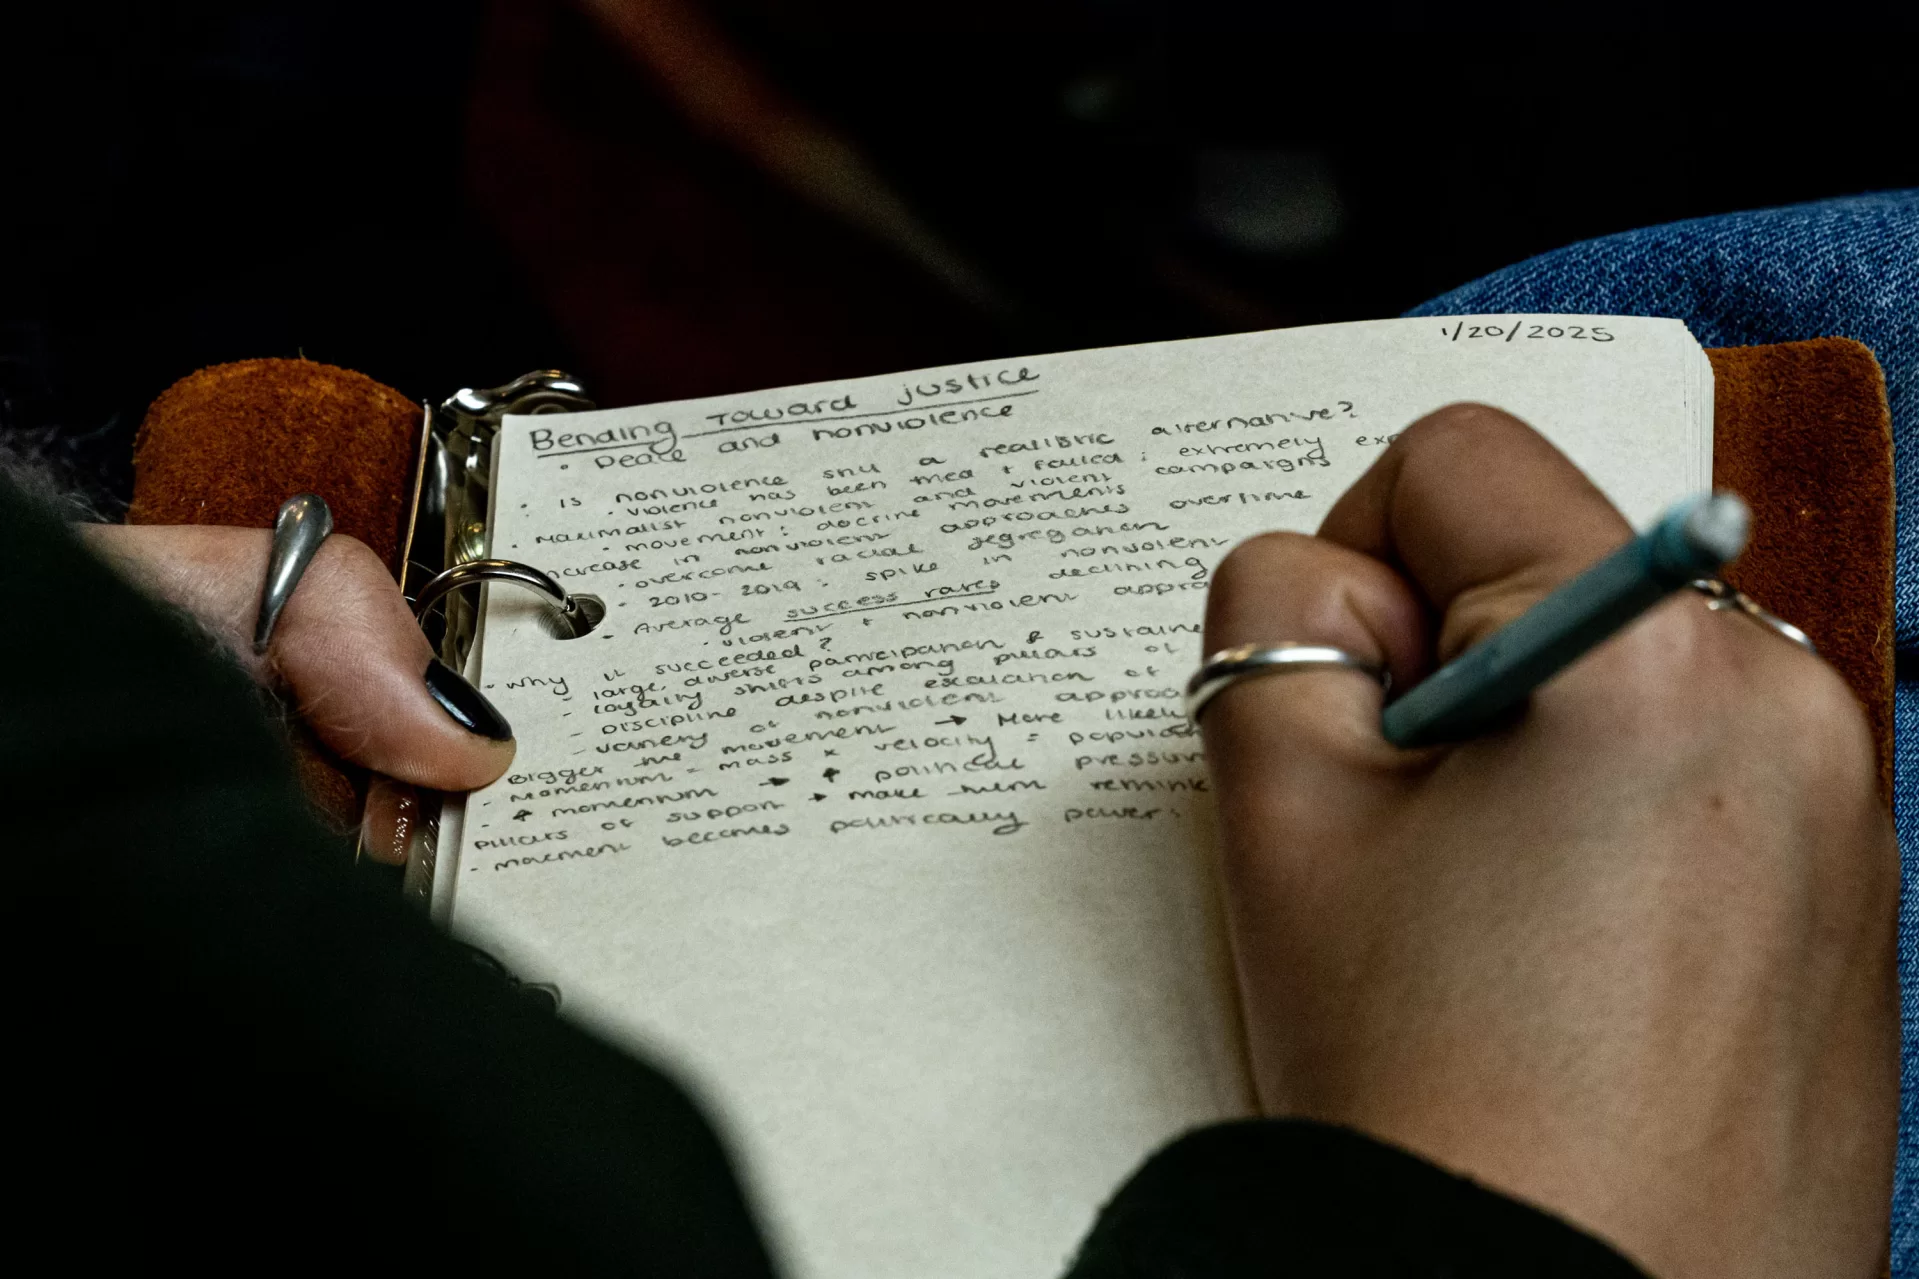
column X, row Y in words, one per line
column 1481, row 513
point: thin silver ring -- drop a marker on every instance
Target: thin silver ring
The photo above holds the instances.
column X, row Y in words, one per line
column 302, row 523
column 1723, row 598
column 1228, row 666
column 578, row 614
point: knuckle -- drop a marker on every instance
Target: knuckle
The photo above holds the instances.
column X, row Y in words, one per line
column 351, row 558
column 1778, row 736
column 1463, row 425
column 1795, row 703
column 1827, row 728
column 1250, row 577
column 1253, row 563
column 354, row 571
column 1722, row 684
column 347, row 605
column 1792, row 709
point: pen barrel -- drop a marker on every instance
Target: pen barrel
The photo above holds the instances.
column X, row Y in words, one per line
column 1491, row 678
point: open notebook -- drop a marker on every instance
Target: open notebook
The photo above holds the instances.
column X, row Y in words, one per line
column 871, row 804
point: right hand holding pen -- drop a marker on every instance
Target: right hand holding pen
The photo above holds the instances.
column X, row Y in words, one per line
column 1630, row 957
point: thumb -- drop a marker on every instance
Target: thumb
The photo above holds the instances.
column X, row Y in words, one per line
column 368, row 683
column 346, row 652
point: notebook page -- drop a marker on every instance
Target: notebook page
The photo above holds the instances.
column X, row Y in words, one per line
column 871, row 806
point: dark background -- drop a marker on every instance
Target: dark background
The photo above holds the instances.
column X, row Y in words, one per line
column 686, row 197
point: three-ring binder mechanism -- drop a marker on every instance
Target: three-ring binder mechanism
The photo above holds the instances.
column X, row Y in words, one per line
column 448, row 532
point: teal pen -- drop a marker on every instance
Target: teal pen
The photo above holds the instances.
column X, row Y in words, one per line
column 1466, row 695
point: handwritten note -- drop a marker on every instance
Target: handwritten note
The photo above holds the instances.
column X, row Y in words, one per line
column 871, row 803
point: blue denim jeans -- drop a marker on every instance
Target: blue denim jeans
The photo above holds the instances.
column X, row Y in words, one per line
column 1847, row 268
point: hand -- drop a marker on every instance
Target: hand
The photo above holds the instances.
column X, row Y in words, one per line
column 346, row 654
column 1630, row 957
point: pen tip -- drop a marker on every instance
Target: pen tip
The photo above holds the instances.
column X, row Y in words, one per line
column 1719, row 526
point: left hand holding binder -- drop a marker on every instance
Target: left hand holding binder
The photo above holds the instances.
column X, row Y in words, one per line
column 346, row 656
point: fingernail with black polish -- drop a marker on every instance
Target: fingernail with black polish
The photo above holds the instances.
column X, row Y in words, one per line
column 465, row 703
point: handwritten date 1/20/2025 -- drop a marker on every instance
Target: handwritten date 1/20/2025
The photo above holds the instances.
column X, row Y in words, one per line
column 1508, row 330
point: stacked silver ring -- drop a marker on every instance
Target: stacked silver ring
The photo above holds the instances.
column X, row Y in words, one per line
column 1228, row 666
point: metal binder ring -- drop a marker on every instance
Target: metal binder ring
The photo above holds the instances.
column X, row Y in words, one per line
column 578, row 614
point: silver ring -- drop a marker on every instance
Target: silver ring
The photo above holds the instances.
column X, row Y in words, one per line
column 577, row 614
column 1723, row 598
column 303, row 522
column 1229, row 666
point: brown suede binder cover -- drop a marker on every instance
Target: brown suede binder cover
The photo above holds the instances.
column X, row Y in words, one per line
column 230, row 443
column 1800, row 430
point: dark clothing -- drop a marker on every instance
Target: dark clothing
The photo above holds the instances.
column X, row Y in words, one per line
column 236, row 1049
